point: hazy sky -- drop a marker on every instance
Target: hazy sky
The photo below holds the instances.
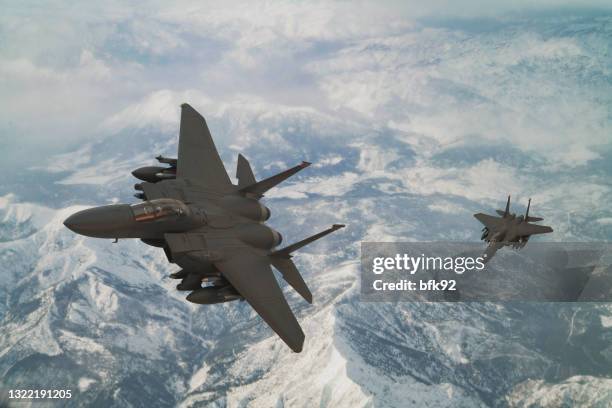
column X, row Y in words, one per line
column 75, row 71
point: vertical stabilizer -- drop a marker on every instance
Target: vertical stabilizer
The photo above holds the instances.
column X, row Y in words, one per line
column 244, row 173
column 527, row 212
column 507, row 212
column 528, row 218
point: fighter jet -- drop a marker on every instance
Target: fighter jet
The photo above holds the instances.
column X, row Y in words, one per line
column 212, row 229
column 508, row 230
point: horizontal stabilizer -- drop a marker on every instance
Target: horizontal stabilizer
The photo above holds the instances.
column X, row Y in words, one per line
column 244, row 173
column 262, row 186
column 291, row 274
column 286, row 251
column 500, row 212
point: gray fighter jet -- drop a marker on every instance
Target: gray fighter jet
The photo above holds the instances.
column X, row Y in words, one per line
column 508, row 230
column 214, row 230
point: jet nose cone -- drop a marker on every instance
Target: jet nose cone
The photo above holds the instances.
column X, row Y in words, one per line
column 70, row 222
column 101, row 222
column 81, row 221
column 139, row 173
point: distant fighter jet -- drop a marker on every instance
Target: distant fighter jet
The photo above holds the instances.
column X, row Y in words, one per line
column 508, row 230
column 214, row 230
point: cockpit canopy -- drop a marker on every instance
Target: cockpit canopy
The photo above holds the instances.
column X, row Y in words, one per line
column 159, row 209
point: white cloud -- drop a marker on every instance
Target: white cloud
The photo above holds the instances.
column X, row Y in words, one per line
column 378, row 63
column 374, row 159
column 92, row 67
column 159, row 109
column 446, row 207
column 352, row 71
column 447, row 85
column 328, row 161
column 325, row 186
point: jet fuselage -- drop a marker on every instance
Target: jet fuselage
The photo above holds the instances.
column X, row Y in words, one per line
column 151, row 220
column 508, row 231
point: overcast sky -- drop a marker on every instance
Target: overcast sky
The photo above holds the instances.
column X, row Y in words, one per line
column 73, row 71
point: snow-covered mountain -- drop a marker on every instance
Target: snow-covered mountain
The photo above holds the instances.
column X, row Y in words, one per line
column 105, row 320
column 410, row 129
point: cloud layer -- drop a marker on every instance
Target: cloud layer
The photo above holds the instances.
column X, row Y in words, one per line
column 472, row 99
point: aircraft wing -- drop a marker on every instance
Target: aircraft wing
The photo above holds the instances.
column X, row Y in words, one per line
column 198, row 159
column 525, row 229
column 488, row 221
column 251, row 275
